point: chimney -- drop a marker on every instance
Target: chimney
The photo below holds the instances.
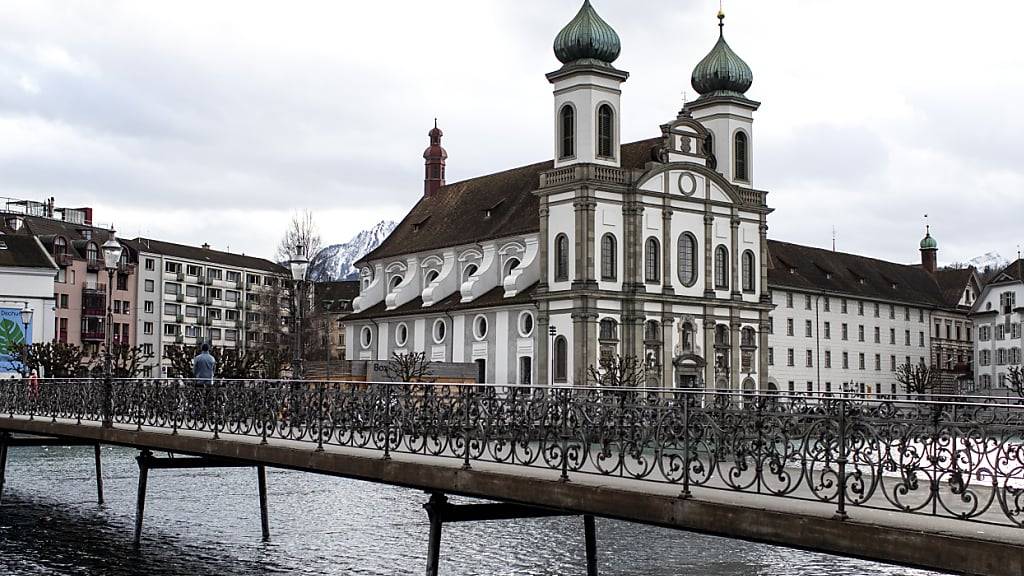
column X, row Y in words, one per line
column 88, row 216
column 206, row 246
column 435, row 157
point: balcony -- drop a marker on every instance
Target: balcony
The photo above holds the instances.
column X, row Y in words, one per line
column 94, row 265
column 125, row 268
column 93, row 335
column 64, row 260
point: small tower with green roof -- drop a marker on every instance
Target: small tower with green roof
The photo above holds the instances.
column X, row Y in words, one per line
column 587, row 91
column 929, row 251
column 722, row 79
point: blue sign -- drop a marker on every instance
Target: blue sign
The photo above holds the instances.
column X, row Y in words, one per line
column 12, row 333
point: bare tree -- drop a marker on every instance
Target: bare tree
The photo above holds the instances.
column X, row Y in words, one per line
column 618, row 372
column 49, row 359
column 232, row 363
column 410, row 367
column 301, row 230
column 1015, row 380
column 917, row 378
column 128, row 361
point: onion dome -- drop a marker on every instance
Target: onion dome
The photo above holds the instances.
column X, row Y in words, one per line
column 435, row 151
column 928, row 243
column 722, row 72
column 587, row 37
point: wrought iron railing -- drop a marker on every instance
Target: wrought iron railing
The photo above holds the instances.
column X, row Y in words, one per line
column 957, row 458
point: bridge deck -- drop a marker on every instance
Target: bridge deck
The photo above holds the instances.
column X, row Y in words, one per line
column 890, row 536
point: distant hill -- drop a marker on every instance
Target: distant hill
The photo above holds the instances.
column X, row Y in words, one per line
column 335, row 261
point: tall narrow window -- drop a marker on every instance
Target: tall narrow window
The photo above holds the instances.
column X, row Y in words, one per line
column 748, row 271
column 721, row 267
column 740, row 155
column 561, row 258
column 651, row 256
column 608, row 264
column 561, row 359
column 686, row 257
column 568, row 127
column 605, row 123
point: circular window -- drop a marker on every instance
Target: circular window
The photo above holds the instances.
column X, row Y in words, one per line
column 525, row 324
column 401, row 334
column 480, row 327
column 366, row 337
column 440, row 331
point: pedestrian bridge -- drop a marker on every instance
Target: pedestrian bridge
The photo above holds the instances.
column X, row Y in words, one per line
column 935, row 483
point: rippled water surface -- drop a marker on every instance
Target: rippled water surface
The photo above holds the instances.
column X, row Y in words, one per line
column 207, row 522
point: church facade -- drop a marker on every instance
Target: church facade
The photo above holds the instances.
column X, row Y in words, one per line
column 654, row 250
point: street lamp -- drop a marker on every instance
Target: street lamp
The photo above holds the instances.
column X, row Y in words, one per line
column 298, row 264
column 26, row 318
column 551, row 351
column 111, row 257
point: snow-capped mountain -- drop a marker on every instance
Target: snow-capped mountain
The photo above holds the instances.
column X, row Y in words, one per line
column 989, row 261
column 335, row 261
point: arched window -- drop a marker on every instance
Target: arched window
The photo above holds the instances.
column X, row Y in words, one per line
column 561, row 258
column 92, row 253
column 608, row 264
column 561, row 359
column 605, row 125
column 721, row 267
column 60, row 246
column 430, row 277
column 652, row 331
column 721, row 335
column 651, row 258
column 468, row 271
column 395, row 281
column 740, row 155
column 568, row 130
column 686, row 259
column 748, row 271
column 608, row 330
column 510, row 265
column 748, row 337
column 709, row 151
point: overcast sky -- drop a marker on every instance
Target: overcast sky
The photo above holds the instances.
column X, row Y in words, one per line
column 212, row 121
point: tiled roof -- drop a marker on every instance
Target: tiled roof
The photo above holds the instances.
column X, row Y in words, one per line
column 953, row 282
column 818, row 270
column 49, row 228
column 455, row 214
column 494, row 297
column 205, row 255
column 1014, row 270
column 24, row 251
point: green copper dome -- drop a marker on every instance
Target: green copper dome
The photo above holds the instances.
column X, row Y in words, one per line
column 587, row 37
column 722, row 72
column 929, row 243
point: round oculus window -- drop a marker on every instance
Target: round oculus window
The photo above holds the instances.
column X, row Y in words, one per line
column 366, row 337
column 525, row 324
column 440, row 331
column 480, row 327
column 401, row 334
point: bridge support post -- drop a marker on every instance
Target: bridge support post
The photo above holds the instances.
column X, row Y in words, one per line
column 3, row 462
column 590, row 536
column 99, row 474
column 140, row 502
column 261, row 476
column 435, row 511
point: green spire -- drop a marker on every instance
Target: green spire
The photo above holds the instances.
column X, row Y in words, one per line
column 587, row 37
column 928, row 243
column 721, row 72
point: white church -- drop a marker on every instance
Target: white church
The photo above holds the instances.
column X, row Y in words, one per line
column 655, row 250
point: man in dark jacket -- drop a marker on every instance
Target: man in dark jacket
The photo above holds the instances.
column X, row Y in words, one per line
column 204, row 365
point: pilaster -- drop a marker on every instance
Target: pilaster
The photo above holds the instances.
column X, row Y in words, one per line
column 734, row 257
column 667, row 369
column 709, row 252
column 541, row 344
column 709, row 347
column 666, row 249
column 735, row 383
column 545, row 244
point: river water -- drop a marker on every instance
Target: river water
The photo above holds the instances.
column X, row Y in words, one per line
column 206, row 522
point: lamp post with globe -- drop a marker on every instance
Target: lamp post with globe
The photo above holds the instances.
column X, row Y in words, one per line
column 298, row 264
column 112, row 251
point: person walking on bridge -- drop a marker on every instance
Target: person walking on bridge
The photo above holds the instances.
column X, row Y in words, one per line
column 204, row 364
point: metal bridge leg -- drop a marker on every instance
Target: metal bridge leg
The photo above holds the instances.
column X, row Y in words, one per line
column 590, row 534
column 99, row 475
column 3, row 463
column 261, row 475
column 434, row 507
column 140, row 503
